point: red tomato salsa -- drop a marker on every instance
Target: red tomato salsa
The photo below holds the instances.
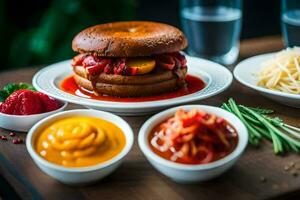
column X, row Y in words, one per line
column 193, row 137
column 193, row 84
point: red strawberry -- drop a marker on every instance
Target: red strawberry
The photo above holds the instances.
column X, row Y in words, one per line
column 22, row 102
column 17, row 105
column 29, row 103
column 48, row 103
column 9, row 105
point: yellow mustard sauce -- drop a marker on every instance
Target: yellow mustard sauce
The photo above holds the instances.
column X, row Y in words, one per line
column 80, row 141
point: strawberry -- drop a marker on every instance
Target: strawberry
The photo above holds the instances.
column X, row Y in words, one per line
column 27, row 102
column 10, row 103
column 8, row 106
column 48, row 103
column 22, row 102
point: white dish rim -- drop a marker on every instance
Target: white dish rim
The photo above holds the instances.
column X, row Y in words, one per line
column 256, row 87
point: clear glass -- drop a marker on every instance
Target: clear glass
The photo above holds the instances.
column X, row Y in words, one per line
column 213, row 28
column 290, row 22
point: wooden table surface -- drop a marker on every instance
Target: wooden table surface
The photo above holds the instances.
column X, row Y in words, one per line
column 137, row 179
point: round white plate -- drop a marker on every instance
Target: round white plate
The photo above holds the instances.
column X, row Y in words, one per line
column 216, row 77
column 245, row 72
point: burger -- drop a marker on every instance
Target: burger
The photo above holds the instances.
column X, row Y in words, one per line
column 130, row 59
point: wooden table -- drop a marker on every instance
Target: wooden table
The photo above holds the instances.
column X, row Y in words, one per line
column 137, row 179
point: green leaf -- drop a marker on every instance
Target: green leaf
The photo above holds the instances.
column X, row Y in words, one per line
column 12, row 87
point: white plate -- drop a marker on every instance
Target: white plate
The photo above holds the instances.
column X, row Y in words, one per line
column 216, row 77
column 245, row 72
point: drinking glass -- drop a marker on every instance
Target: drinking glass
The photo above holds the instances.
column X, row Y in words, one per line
column 290, row 22
column 213, row 28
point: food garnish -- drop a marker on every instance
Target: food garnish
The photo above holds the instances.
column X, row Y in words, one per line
column 261, row 126
column 95, row 65
column 171, row 61
column 79, row 141
column 11, row 88
column 26, row 101
column 282, row 72
column 193, row 137
column 142, row 65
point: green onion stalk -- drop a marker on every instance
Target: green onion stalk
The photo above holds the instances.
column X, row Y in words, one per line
column 261, row 126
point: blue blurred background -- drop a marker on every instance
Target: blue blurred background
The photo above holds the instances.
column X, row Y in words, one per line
column 35, row 32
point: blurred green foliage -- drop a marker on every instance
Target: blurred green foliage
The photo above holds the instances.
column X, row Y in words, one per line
column 49, row 39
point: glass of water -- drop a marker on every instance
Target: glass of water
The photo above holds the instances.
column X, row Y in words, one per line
column 290, row 22
column 213, row 28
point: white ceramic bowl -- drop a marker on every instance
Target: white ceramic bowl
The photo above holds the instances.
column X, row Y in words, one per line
column 185, row 173
column 245, row 72
column 79, row 175
column 25, row 122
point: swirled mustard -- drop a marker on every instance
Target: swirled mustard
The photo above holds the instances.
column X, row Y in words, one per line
column 80, row 141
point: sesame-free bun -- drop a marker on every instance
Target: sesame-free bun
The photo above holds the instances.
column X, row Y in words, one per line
column 129, row 39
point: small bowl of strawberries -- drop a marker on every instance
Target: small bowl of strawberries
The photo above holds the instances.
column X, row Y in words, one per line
column 21, row 106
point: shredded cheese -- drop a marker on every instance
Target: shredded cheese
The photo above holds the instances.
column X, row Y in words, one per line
column 282, row 72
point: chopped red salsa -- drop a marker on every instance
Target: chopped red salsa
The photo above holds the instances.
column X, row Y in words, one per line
column 193, row 137
column 95, row 64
